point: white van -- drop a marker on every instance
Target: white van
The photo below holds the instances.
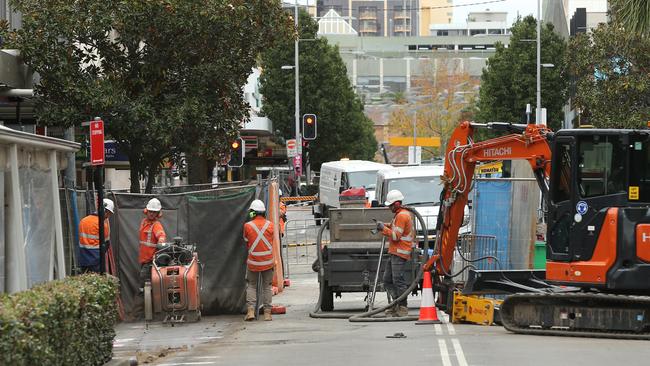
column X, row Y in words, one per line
column 337, row 176
column 421, row 187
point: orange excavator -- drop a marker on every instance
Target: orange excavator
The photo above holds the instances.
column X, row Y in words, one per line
column 596, row 188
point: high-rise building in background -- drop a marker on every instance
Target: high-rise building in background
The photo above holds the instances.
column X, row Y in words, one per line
column 389, row 18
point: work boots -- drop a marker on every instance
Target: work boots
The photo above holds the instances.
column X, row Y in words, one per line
column 250, row 314
column 402, row 311
column 267, row 315
column 391, row 312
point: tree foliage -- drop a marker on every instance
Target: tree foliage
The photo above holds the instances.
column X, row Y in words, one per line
column 325, row 90
column 611, row 67
column 166, row 75
column 633, row 15
column 446, row 95
column 509, row 81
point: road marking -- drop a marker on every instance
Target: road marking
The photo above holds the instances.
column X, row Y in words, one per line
column 450, row 327
column 444, row 354
column 438, row 329
column 459, row 352
column 205, row 357
column 210, row 337
column 188, row 363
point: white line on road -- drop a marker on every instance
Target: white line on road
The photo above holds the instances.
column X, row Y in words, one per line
column 444, row 354
column 205, row 357
column 210, row 337
column 459, row 352
column 438, row 329
column 452, row 330
column 188, row 363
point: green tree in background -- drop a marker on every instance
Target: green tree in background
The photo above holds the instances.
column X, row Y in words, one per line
column 325, row 90
column 611, row 69
column 633, row 15
column 509, row 81
column 166, row 75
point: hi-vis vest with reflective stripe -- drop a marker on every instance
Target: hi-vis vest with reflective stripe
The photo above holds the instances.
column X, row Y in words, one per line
column 151, row 234
column 400, row 234
column 258, row 235
column 89, row 240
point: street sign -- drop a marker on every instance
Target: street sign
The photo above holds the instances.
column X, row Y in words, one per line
column 97, row 142
column 420, row 141
column 291, row 148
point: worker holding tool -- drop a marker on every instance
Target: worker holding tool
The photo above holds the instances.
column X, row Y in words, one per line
column 400, row 235
column 89, row 238
column 152, row 233
column 258, row 235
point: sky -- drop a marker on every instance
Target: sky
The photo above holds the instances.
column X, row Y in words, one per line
column 524, row 7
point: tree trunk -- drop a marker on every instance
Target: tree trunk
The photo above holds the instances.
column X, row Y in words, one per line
column 134, row 162
column 151, row 178
column 197, row 170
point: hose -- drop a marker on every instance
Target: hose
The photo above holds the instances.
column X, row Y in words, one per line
column 368, row 316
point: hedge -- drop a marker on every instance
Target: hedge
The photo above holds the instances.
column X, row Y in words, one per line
column 65, row 322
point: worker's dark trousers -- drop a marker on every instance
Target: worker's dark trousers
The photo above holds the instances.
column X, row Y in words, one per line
column 395, row 278
column 267, row 287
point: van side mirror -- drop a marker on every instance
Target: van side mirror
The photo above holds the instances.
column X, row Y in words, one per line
column 374, row 203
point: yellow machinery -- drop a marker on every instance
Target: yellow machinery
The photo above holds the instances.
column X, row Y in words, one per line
column 474, row 309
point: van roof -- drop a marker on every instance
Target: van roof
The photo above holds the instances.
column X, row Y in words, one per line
column 412, row 171
column 355, row 165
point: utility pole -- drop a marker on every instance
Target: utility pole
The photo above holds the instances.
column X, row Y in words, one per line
column 538, row 111
column 296, row 64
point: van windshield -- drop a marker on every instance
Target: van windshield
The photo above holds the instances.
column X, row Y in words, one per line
column 417, row 190
column 367, row 179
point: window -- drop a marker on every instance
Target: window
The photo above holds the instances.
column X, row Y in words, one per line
column 562, row 172
column 639, row 161
column 366, row 179
column 442, row 33
column 601, row 166
column 495, row 31
column 417, row 190
column 473, row 32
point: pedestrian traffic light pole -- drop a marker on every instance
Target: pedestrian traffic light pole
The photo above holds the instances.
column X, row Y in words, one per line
column 297, row 91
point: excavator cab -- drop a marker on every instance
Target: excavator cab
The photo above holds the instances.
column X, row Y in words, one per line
column 598, row 212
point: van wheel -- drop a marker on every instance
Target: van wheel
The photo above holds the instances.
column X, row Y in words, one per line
column 327, row 302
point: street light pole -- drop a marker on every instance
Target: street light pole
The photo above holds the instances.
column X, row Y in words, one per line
column 538, row 112
column 297, row 91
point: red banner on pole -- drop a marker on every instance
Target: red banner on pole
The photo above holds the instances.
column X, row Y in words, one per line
column 97, row 142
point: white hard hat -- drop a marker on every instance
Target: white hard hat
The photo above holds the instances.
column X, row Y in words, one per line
column 394, row 196
column 109, row 205
column 154, row 205
column 257, row 206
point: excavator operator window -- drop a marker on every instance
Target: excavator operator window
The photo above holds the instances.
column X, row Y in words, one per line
column 601, row 168
column 562, row 188
column 639, row 172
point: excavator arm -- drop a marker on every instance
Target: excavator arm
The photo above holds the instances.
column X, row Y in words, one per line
column 528, row 142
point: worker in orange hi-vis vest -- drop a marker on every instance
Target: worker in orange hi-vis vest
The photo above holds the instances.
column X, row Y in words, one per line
column 89, row 238
column 400, row 235
column 152, row 233
column 258, row 235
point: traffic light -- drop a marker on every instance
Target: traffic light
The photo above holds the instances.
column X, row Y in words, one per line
column 236, row 153
column 309, row 126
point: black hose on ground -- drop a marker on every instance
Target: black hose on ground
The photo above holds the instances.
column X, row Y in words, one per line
column 368, row 316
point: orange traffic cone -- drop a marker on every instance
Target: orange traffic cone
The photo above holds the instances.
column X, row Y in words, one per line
column 428, row 313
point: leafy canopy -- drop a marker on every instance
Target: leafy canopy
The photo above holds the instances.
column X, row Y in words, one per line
column 325, row 90
column 166, row 75
column 509, row 81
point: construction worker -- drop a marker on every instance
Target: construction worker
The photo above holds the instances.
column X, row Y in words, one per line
column 400, row 235
column 283, row 214
column 258, row 235
column 152, row 233
column 89, row 238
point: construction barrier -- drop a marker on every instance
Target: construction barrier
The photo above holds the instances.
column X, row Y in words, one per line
column 299, row 242
column 298, row 199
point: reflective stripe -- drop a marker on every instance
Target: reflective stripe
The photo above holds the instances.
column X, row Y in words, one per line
column 393, row 235
column 88, row 236
column 148, row 244
column 398, row 229
column 402, row 251
column 260, row 238
column 92, row 247
column 259, row 254
column 406, row 238
column 255, row 263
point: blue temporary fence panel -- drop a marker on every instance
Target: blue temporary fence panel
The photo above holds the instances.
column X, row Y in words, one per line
column 492, row 208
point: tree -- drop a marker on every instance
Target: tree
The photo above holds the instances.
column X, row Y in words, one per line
column 325, row 90
column 447, row 93
column 509, row 81
column 166, row 75
column 611, row 69
column 633, row 15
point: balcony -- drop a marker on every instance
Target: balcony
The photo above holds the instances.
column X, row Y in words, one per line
column 402, row 29
column 368, row 15
column 402, row 15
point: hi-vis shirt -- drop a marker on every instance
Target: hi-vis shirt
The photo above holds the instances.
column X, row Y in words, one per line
column 258, row 235
column 400, row 234
column 151, row 234
column 89, row 240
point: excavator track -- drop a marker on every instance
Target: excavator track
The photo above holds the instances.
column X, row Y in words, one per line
column 578, row 314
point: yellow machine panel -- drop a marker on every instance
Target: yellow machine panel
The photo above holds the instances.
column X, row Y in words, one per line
column 474, row 309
